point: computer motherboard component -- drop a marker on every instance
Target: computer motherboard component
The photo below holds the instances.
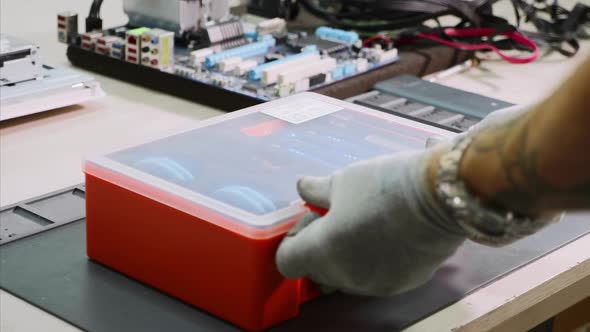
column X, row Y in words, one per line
column 259, row 60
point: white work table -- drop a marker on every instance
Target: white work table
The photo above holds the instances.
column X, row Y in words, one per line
column 43, row 153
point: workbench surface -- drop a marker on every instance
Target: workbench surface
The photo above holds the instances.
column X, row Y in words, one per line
column 43, row 153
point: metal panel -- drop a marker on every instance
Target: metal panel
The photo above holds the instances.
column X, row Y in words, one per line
column 41, row 213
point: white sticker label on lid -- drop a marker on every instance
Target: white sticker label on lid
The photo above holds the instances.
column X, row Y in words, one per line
column 302, row 111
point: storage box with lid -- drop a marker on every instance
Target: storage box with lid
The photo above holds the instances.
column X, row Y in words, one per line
column 200, row 214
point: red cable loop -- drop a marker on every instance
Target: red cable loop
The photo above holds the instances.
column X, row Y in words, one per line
column 483, row 32
column 367, row 42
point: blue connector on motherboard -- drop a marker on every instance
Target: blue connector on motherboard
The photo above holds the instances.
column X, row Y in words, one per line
column 349, row 69
column 246, row 51
column 349, row 37
column 337, row 73
column 256, row 73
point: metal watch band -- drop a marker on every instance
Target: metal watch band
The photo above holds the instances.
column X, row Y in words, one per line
column 484, row 225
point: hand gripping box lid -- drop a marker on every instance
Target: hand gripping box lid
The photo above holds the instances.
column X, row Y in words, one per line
column 199, row 214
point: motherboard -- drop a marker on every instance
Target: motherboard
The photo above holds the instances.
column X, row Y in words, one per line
column 233, row 57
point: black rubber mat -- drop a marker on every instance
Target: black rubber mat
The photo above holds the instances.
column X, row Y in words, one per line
column 51, row 271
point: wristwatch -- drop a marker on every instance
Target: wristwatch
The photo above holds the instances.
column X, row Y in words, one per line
column 482, row 224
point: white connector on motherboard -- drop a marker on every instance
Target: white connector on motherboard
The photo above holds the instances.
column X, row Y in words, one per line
column 305, row 70
column 270, row 75
column 274, row 25
column 157, row 48
column 362, row 65
column 103, row 44
column 198, row 56
column 133, row 44
column 185, row 71
column 387, row 56
column 243, row 67
column 229, row 64
column 301, row 85
column 67, row 26
column 88, row 40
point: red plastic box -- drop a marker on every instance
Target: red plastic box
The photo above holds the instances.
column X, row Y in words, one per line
column 199, row 214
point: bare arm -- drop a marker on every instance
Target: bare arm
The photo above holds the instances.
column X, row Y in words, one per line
column 539, row 162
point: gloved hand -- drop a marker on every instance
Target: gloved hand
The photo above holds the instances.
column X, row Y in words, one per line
column 385, row 232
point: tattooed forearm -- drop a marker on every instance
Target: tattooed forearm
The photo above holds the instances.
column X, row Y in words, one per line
column 539, row 162
column 519, row 183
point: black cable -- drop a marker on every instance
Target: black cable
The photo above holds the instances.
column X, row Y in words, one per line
column 516, row 13
column 563, row 28
column 391, row 15
column 93, row 20
column 347, row 20
column 95, row 8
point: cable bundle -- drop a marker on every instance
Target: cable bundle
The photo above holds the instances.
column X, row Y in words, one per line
column 380, row 15
column 556, row 27
column 479, row 28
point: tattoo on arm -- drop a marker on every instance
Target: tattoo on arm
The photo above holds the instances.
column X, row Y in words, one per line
column 525, row 188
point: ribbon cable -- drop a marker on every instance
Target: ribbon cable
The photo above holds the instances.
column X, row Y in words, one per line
column 485, row 32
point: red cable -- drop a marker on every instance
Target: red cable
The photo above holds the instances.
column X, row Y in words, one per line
column 367, row 42
column 482, row 32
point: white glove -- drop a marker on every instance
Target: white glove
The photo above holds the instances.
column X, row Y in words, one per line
column 384, row 233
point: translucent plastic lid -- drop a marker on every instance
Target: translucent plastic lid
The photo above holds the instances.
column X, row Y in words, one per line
column 244, row 166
